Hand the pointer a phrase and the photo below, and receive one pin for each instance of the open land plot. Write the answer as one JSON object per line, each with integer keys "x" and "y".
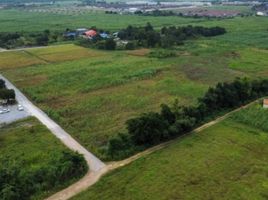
{"x": 225, "y": 161}
{"x": 92, "y": 97}
{"x": 27, "y": 147}
{"x": 44, "y": 55}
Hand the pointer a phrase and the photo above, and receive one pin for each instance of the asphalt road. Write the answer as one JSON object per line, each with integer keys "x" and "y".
{"x": 94, "y": 163}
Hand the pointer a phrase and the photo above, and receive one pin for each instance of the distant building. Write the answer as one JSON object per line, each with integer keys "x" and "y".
{"x": 104, "y": 35}
{"x": 70, "y": 34}
{"x": 90, "y": 33}
{"x": 260, "y": 13}
{"x": 81, "y": 31}
{"x": 265, "y": 103}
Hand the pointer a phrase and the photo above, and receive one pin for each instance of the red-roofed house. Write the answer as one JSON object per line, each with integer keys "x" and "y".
{"x": 91, "y": 33}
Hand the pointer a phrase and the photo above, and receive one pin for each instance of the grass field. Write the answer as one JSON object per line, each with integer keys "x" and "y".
{"x": 20, "y": 20}
{"x": 92, "y": 93}
{"x": 31, "y": 146}
{"x": 225, "y": 161}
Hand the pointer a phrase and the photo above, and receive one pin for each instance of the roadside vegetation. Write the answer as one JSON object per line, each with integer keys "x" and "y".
{"x": 228, "y": 160}
{"x": 153, "y": 128}
{"x": 33, "y": 163}
{"x": 7, "y": 95}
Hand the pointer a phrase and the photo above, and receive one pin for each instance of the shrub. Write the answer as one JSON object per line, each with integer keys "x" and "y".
{"x": 130, "y": 46}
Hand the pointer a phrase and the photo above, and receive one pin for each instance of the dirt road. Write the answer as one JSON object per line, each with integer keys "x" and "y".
{"x": 88, "y": 180}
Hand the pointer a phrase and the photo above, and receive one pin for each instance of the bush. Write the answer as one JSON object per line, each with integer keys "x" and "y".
{"x": 2, "y": 84}
{"x": 110, "y": 44}
{"x": 21, "y": 184}
{"x": 130, "y": 46}
{"x": 7, "y": 94}
{"x": 148, "y": 129}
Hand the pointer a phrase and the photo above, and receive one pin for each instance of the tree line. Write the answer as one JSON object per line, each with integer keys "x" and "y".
{"x": 17, "y": 183}
{"x": 6, "y": 94}
{"x": 10, "y": 40}
{"x": 147, "y": 36}
{"x": 152, "y": 128}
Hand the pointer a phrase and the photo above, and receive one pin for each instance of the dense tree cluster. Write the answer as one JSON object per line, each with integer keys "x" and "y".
{"x": 98, "y": 43}
{"x": 16, "y": 183}
{"x": 2, "y": 84}
{"x": 18, "y": 39}
{"x": 6, "y": 94}
{"x": 169, "y": 36}
{"x": 152, "y": 128}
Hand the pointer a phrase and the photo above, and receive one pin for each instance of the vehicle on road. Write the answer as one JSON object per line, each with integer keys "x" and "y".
{"x": 4, "y": 110}
{"x": 20, "y": 108}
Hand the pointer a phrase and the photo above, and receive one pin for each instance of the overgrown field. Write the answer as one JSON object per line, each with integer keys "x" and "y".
{"x": 92, "y": 93}
{"x": 225, "y": 161}
{"x": 33, "y": 163}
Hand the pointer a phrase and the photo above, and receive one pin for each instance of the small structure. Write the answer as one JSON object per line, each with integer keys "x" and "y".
{"x": 91, "y": 33}
{"x": 265, "y": 103}
{"x": 81, "y": 31}
{"x": 104, "y": 35}
{"x": 115, "y": 34}
{"x": 259, "y": 13}
{"x": 69, "y": 34}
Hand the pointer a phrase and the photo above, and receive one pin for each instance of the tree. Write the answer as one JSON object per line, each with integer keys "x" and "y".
{"x": 148, "y": 129}
{"x": 7, "y": 94}
{"x": 42, "y": 40}
{"x": 148, "y": 27}
{"x": 110, "y": 44}
{"x": 2, "y": 84}
{"x": 119, "y": 145}
{"x": 130, "y": 46}
{"x": 167, "y": 114}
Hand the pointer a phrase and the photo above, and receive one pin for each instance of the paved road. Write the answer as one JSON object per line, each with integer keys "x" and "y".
{"x": 13, "y": 115}
{"x": 94, "y": 163}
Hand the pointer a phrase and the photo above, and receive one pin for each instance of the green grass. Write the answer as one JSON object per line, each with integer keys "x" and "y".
{"x": 255, "y": 116}
{"x": 27, "y": 21}
{"x": 92, "y": 93}
{"x": 251, "y": 60}
{"x": 225, "y": 161}
{"x": 93, "y": 97}
{"x": 31, "y": 146}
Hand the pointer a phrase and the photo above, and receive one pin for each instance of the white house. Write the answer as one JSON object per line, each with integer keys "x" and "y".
{"x": 260, "y": 13}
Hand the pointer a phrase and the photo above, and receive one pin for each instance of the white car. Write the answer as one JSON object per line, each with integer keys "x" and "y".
{"x": 20, "y": 108}
{"x": 5, "y": 110}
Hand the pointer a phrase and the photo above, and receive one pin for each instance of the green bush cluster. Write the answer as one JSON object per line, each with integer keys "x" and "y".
{"x": 17, "y": 183}
{"x": 19, "y": 39}
{"x": 6, "y": 94}
{"x": 98, "y": 43}
{"x": 153, "y": 128}
{"x": 169, "y": 36}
